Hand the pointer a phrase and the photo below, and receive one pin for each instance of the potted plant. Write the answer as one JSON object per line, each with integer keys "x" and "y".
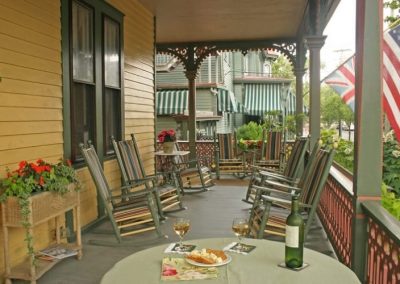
{"x": 35, "y": 191}
{"x": 167, "y": 138}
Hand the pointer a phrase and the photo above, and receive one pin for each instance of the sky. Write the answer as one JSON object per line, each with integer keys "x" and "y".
{"x": 340, "y": 41}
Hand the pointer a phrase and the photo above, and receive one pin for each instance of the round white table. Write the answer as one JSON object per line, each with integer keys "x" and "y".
{"x": 259, "y": 266}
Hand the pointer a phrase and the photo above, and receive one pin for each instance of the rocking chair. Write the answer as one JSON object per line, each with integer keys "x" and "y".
{"x": 228, "y": 161}
{"x": 133, "y": 173}
{"x": 264, "y": 221}
{"x": 130, "y": 213}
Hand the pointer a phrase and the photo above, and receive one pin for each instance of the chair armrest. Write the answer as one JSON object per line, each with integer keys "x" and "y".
{"x": 139, "y": 181}
{"x": 277, "y": 176}
{"x": 133, "y": 194}
{"x": 265, "y": 190}
{"x": 268, "y": 198}
{"x": 283, "y": 186}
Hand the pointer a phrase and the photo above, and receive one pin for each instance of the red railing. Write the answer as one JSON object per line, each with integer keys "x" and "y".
{"x": 335, "y": 212}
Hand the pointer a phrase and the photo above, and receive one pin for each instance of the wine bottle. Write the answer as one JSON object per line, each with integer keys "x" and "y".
{"x": 294, "y": 236}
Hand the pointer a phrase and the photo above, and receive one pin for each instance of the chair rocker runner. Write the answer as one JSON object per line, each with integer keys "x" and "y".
{"x": 264, "y": 221}
{"x": 167, "y": 195}
{"x": 289, "y": 174}
{"x": 194, "y": 179}
{"x": 227, "y": 157}
{"x": 130, "y": 213}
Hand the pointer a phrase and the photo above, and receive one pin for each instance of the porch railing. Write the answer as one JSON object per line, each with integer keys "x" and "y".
{"x": 383, "y": 234}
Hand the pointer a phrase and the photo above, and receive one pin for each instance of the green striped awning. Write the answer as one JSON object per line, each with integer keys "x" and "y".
{"x": 241, "y": 108}
{"x": 172, "y": 101}
{"x": 262, "y": 98}
{"x": 226, "y": 101}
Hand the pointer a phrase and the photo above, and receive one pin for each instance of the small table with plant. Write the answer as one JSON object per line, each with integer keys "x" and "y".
{"x": 33, "y": 194}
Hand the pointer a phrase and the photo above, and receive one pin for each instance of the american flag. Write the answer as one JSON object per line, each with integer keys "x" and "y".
{"x": 391, "y": 78}
{"x": 342, "y": 79}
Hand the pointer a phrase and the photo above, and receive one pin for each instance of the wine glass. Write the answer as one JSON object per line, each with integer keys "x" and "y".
{"x": 240, "y": 227}
{"x": 181, "y": 227}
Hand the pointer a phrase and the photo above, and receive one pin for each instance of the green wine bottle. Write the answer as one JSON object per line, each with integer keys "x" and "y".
{"x": 294, "y": 236}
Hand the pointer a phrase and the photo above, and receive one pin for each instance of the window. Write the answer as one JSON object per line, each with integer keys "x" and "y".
{"x": 93, "y": 38}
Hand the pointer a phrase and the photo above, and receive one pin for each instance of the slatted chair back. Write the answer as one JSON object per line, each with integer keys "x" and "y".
{"x": 131, "y": 160}
{"x": 293, "y": 163}
{"x": 307, "y": 173}
{"x": 96, "y": 170}
{"x": 272, "y": 145}
{"x": 227, "y": 145}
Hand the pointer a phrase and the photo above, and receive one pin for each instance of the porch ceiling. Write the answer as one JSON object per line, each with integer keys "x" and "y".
{"x": 225, "y": 20}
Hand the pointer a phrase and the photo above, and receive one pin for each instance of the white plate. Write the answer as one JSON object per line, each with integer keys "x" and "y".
{"x": 226, "y": 261}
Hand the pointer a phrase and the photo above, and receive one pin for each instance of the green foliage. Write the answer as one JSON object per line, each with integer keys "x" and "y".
{"x": 250, "y": 131}
{"x": 390, "y": 201}
{"x": 333, "y": 109}
{"x": 394, "y": 5}
{"x": 282, "y": 68}
{"x": 344, "y": 149}
{"x": 391, "y": 163}
{"x": 272, "y": 120}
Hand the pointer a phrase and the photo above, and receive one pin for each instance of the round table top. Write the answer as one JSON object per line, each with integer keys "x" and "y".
{"x": 259, "y": 266}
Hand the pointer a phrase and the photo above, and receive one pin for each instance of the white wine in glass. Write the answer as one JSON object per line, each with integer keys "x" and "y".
{"x": 240, "y": 227}
{"x": 181, "y": 227}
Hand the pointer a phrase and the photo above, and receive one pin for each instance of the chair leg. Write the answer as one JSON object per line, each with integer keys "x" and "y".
{"x": 154, "y": 214}
{"x": 263, "y": 224}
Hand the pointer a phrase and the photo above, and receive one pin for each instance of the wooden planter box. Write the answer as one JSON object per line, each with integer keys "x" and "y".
{"x": 44, "y": 206}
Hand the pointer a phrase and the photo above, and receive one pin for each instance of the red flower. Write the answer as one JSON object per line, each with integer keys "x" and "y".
{"x": 39, "y": 161}
{"x": 22, "y": 164}
{"x": 47, "y": 168}
{"x": 69, "y": 163}
{"x": 167, "y": 136}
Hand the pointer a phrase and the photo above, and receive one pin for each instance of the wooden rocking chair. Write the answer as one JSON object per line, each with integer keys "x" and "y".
{"x": 130, "y": 213}
{"x": 167, "y": 195}
{"x": 228, "y": 161}
{"x": 191, "y": 175}
{"x": 272, "y": 152}
{"x": 289, "y": 174}
{"x": 263, "y": 221}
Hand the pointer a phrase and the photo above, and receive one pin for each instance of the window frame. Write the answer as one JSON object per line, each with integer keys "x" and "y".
{"x": 100, "y": 10}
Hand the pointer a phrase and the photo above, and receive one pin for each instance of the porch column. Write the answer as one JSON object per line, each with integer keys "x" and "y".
{"x": 368, "y": 123}
{"x": 191, "y": 76}
{"x": 299, "y": 72}
{"x": 314, "y": 44}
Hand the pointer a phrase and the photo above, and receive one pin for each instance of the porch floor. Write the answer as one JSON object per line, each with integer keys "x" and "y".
{"x": 210, "y": 213}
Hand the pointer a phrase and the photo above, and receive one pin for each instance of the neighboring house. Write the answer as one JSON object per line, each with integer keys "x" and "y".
{"x": 232, "y": 89}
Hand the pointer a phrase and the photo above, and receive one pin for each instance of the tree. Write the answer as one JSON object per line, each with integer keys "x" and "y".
{"x": 282, "y": 68}
{"x": 394, "y": 5}
{"x": 331, "y": 105}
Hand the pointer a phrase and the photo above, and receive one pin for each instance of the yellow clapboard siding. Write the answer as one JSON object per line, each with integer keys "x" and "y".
{"x": 31, "y": 140}
{"x": 135, "y": 115}
{"x": 30, "y": 88}
{"x": 25, "y": 19}
{"x": 21, "y": 100}
{"x": 50, "y": 14}
{"x": 24, "y": 47}
{"x": 23, "y": 60}
{"x": 139, "y": 108}
{"x": 138, "y": 100}
{"x": 29, "y": 127}
{"x": 29, "y": 75}
{"x": 48, "y": 5}
{"x": 140, "y": 72}
{"x": 139, "y": 86}
{"x": 138, "y": 78}
{"x": 132, "y": 64}
{"x": 32, "y": 153}
{"x": 140, "y": 122}
{"x": 28, "y": 114}
{"x": 137, "y": 129}
{"x": 25, "y": 33}
{"x": 139, "y": 93}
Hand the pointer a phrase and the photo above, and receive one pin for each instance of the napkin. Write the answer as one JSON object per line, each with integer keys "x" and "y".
{"x": 246, "y": 249}
{"x": 172, "y": 248}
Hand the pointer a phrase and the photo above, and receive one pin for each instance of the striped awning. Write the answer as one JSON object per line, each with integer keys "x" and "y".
{"x": 226, "y": 101}
{"x": 172, "y": 102}
{"x": 262, "y": 98}
{"x": 241, "y": 108}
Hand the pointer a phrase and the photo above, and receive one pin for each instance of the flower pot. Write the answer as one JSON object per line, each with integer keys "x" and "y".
{"x": 168, "y": 147}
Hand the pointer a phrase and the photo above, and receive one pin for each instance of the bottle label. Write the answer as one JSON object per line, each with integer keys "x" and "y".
{"x": 292, "y": 236}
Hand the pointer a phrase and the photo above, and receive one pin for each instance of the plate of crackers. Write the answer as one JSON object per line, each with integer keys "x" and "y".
{"x": 208, "y": 258}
